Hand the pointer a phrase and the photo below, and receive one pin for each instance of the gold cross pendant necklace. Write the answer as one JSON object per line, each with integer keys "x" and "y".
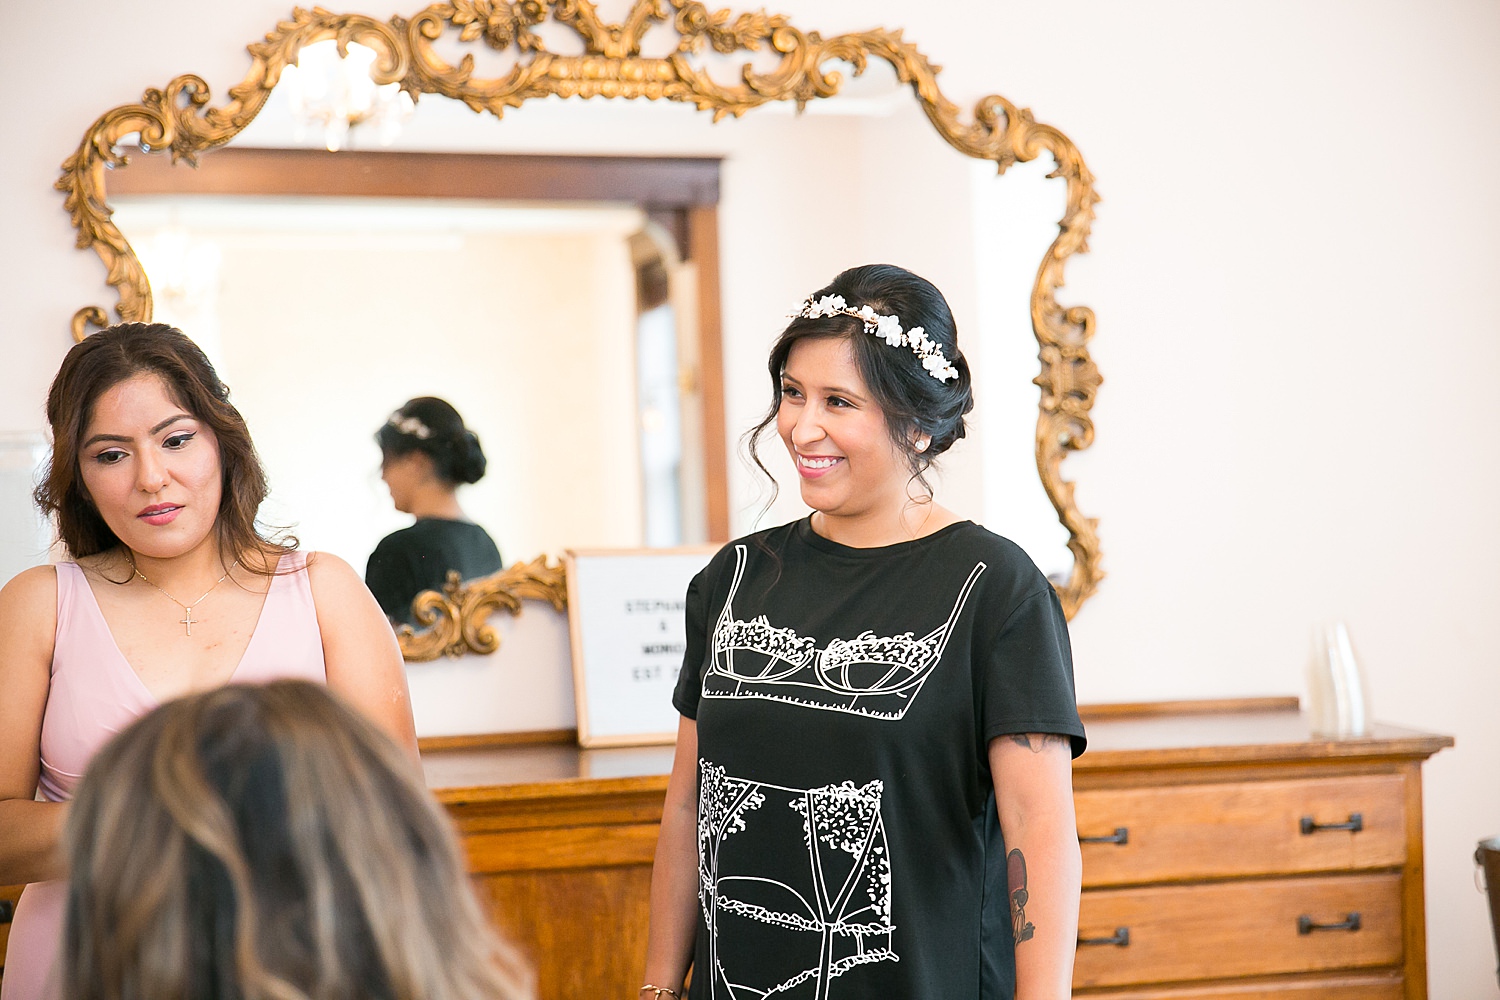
{"x": 188, "y": 620}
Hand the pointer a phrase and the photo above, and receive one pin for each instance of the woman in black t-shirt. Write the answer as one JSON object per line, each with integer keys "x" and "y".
{"x": 872, "y": 789}
{"x": 426, "y": 452}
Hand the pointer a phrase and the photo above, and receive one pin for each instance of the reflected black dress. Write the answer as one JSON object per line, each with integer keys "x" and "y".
{"x": 418, "y": 558}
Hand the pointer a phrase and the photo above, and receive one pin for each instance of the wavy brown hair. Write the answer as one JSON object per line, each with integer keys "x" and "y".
{"x": 102, "y": 361}
{"x": 267, "y": 842}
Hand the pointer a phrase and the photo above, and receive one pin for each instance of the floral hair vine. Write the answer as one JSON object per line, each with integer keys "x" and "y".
{"x": 410, "y": 426}
{"x": 887, "y": 328}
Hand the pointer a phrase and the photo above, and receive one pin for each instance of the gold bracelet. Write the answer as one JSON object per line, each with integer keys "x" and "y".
{"x": 657, "y": 991}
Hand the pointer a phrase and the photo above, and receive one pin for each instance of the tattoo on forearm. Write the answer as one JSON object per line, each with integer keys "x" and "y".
{"x": 1015, "y": 865}
{"x": 1037, "y": 742}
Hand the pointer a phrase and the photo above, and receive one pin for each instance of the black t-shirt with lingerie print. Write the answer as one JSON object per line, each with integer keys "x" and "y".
{"x": 845, "y": 699}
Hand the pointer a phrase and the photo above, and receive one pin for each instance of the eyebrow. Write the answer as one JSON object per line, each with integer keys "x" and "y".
{"x": 123, "y": 438}
{"x": 831, "y": 390}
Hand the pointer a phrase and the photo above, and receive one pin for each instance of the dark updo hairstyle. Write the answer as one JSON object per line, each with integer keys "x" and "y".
{"x": 116, "y": 354}
{"x": 433, "y": 427}
{"x": 910, "y": 397}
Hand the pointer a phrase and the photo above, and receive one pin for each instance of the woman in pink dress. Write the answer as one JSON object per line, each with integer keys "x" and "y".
{"x": 154, "y": 486}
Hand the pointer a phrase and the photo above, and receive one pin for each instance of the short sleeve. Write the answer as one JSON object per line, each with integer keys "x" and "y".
{"x": 1027, "y": 680}
{"x": 690, "y": 677}
{"x": 389, "y": 579}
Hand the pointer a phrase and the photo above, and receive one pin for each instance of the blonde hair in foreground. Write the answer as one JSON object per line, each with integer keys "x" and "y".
{"x": 267, "y": 843}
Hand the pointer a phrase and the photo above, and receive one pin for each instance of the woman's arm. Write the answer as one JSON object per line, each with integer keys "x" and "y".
{"x": 360, "y": 651}
{"x": 1033, "y": 775}
{"x": 30, "y": 831}
{"x": 674, "y": 876}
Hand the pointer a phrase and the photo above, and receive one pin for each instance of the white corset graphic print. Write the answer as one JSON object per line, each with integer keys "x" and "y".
{"x": 870, "y": 675}
{"x": 795, "y": 885}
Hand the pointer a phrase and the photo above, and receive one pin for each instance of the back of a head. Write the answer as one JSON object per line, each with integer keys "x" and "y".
{"x": 266, "y": 841}
{"x": 432, "y": 426}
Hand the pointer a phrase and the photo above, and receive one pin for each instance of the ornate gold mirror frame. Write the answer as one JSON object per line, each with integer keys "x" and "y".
{"x": 178, "y": 119}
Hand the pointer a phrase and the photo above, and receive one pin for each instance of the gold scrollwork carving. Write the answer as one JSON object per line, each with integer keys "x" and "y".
{"x": 179, "y": 119}
{"x": 455, "y": 620}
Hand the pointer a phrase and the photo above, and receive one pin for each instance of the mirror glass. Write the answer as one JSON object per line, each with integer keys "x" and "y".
{"x": 378, "y": 301}
{"x": 328, "y": 313}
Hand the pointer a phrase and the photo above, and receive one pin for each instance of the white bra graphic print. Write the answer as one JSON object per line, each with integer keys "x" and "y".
{"x": 877, "y": 676}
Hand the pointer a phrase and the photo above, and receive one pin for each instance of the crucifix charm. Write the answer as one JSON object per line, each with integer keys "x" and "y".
{"x": 188, "y": 619}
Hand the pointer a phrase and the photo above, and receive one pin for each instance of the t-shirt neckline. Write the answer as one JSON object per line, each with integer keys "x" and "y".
{"x": 805, "y": 533}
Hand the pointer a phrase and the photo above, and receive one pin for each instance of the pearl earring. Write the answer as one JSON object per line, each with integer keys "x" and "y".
{"x": 923, "y": 442}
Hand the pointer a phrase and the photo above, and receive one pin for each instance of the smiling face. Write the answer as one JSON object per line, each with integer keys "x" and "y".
{"x": 836, "y": 433}
{"x": 151, "y": 469}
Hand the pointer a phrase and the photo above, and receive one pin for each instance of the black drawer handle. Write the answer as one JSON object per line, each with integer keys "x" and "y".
{"x": 1305, "y": 924}
{"x": 1121, "y": 939}
{"x": 7, "y": 910}
{"x": 1356, "y": 823}
{"x": 1120, "y": 836}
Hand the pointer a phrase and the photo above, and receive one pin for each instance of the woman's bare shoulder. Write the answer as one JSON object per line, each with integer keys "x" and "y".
{"x": 30, "y": 585}
{"x": 328, "y": 569}
{"x": 335, "y": 584}
{"x": 28, "y": 608}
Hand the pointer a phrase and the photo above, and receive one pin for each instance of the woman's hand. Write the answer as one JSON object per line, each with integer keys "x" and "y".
{"x": 30, "y": 831}
{"x": 360, "y": 651}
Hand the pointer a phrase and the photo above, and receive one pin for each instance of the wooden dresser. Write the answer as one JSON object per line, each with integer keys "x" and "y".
{"x": 8, "y": 896}
{"x": 1226, "y": 855}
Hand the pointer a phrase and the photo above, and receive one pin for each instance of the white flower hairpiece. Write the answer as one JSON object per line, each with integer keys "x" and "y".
{"x": 887, "y": 328}
{"x": 410, "y": 426}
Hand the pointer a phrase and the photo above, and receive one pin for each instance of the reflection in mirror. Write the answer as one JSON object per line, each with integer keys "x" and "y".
{"x": 859, "y": 177}
{"x": 533, "y": 316}
{"x": 522, "y": 316}
{"x": 27, "y": 536}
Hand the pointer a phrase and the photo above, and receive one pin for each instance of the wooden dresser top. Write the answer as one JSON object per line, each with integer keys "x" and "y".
{"x": 1156, "y": 734}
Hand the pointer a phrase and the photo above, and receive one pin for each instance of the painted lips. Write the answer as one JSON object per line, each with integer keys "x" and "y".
{"x": 159, "y": 514}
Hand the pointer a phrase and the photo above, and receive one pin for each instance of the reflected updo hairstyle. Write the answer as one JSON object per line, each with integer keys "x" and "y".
{"x": 266, "y": 841}
{"x": 910, "y": 397}
{"x": 433, "y": 427}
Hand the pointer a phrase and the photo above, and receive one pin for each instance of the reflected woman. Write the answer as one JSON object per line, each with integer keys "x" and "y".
{"x": 426, "y": 453}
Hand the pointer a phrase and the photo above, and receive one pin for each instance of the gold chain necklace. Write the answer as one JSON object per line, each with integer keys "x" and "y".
{"x": 187, "y": 620}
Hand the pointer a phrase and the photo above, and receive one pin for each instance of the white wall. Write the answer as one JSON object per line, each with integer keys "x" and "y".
{"x": 1293, "y": 270}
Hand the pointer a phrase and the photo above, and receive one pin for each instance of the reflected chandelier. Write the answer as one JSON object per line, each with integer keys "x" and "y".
{"x": 334, "y": 93}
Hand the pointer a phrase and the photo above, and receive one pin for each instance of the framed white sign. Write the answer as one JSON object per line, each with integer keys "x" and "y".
{"x": 626, "y": 617}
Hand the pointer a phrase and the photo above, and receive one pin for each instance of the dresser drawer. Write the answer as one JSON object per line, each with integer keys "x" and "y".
{"x": 1338, "y": 986}
{"x": 1245, "y": 828}
{"x": 1230, "y": 929}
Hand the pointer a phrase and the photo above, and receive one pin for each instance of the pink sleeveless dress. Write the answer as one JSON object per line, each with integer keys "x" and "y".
{"x": 94, "y": 694}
